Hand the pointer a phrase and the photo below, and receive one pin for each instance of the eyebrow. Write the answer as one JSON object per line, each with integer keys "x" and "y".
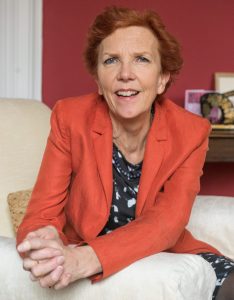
{"x": 139, "y": 53}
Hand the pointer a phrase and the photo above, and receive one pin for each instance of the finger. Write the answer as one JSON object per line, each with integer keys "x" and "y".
{"x": 52, "y": 232}
{"x": 31, "y": 235}
{"x": 64, "y": 281}
{"x": 52, "y": 278}
{"x": 36, "y": 244}
{"x": 48, "y": 232}
{"x": 45, "y": 253}
{"x": 44, "y": 268}
{"x": 24, "y": 246}
{"x": 33, "y": 278}
{"x": 29, "y": 263}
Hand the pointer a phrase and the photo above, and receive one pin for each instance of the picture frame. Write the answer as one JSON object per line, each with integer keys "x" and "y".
{"x": 224, "y": 82}
{"x": 192, "y": 100}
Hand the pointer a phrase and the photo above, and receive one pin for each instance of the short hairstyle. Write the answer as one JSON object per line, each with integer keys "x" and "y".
{"x": 113, "y": 18}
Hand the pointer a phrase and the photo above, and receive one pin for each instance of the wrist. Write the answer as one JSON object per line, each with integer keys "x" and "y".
{"x": 98, "y": 266}
{"x": 95, "y": 266}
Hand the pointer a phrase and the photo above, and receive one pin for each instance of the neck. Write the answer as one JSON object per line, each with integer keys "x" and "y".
{"x": 130, "y": 135}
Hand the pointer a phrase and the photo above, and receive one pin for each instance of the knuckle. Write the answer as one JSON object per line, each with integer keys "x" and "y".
{"x": 26, "y": 268}
{"x": 66, "y": 283}
{"x": 42, "y": 283}
{"x": 60, "y": 285}
{"x": 33, "y": 255}
{"x": 57, "y": 286}
{"x": 33, "y": 278}
{"x": 35, "y": 271}
{"x": 67, "y": 279}
{"x": 46, "y": 282}
{"x": 27, "y": 264}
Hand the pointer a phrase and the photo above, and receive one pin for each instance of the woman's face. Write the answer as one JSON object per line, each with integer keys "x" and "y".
{"x": 129, "y": 71}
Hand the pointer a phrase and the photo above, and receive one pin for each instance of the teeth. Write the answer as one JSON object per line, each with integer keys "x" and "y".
{"x": 126, "y": 93}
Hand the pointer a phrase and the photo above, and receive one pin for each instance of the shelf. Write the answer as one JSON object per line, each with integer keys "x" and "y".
{"x": 221, "y": 146}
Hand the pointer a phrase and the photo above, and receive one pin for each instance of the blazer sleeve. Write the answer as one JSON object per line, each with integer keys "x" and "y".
{"x": 158, "y": 228}
{"x": 46, "y": 206}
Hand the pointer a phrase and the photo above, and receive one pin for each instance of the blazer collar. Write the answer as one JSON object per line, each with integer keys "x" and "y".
{"x": 103, "y": 147}
{"x": 154, "y": 151}
{"x": 102, "y": 121}
{"x": 159, "y": 126}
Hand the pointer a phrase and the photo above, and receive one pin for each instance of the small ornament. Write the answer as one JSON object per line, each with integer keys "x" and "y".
{"x": 218, "y": 108}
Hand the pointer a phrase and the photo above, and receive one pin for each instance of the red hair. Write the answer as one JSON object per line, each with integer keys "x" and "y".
{"x": 113, "y": 18}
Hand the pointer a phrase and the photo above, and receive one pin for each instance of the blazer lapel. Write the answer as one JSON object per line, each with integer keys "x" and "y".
{"x": 102, "y": 141}
{"x": 153, "y": 157}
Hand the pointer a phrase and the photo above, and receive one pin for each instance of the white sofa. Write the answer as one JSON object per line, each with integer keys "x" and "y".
{"x": 164, "y": 276}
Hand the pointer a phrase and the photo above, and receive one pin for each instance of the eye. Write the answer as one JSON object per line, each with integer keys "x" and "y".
{"x": 110, "y": 60}
{"x": 142, "y": 59}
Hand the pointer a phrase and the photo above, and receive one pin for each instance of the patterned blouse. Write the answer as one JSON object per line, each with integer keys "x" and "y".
{"x": 126, "y": 177}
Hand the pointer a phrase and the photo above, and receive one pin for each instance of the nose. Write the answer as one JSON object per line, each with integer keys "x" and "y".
{"x": 126, "y": 72}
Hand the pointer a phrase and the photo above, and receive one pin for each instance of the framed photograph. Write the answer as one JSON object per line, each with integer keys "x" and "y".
{"x": 192, "y": 100}
{"x": 224, "y": 82}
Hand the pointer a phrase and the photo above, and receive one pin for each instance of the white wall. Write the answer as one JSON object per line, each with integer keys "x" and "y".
{"x": 20, "y": 48}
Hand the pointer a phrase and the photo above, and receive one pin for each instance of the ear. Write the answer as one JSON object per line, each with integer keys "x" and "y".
{"x": 163, "y": 80}
{"x": 99, "y": 87}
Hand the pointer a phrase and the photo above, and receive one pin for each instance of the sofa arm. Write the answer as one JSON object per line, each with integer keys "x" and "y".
{"x": 161, "y": 276}
{"x": 212, "y": 221}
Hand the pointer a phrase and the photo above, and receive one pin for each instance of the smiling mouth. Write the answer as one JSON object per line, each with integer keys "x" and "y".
{"x": 127, "y": 93}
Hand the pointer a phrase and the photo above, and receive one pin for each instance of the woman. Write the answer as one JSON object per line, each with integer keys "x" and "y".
{"x": 121, "y": 169}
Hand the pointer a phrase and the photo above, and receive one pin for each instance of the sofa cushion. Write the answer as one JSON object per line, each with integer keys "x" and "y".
{"x": 163, "y": 276}
{"x": 212, "y": 221}
{"x": 18, "y": 202}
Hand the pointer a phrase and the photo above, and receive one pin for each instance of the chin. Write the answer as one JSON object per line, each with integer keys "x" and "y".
{"x": 128, "y": 115}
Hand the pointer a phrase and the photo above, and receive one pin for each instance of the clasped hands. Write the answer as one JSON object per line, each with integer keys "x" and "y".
{"x": 53, "y": 264}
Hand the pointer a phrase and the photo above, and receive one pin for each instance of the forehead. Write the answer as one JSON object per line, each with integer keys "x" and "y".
{"x": 135, "y": 37}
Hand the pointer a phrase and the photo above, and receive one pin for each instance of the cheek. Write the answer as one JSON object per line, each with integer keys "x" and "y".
{"x": 149, "y": 78}
{"x": 152, "y": 85}
{"x": 100, "y": 85}
{"x": 105, "y": 84}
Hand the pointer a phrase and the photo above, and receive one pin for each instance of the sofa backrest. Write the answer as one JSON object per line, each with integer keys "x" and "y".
{"x": 24, "y": 127}
{"x": 212, "y": 221}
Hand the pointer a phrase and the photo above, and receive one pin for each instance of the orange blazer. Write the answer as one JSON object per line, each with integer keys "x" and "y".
{"x": 73, "y": 191}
